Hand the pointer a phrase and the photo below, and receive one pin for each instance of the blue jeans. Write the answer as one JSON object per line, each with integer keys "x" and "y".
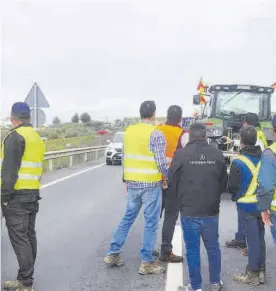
{"x": 207, "y": 228}
{"x": 240, "y": 235}
{"x": 273, "y": 227}
{"x": 151, "y": 199}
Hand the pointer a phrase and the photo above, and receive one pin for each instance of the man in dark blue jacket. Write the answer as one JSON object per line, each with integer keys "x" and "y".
{"x": 242, "y": 185}
{"x": 266, "y": 192}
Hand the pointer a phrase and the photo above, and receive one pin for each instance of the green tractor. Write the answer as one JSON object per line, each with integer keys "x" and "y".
{"x": 225, "y": 109}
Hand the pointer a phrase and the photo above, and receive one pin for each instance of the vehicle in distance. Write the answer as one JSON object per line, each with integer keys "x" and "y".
{"x": 113, "y": 152}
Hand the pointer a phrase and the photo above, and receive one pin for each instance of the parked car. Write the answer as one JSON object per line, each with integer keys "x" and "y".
{"x": 113, "y": 152}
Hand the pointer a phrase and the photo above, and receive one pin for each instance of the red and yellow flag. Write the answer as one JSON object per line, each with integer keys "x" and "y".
{"x": 202, "y": 88}
{"x": 274, "y": 85}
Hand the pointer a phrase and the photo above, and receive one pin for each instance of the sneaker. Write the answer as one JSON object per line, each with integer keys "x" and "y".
{"x": 216, "y": 286}
{"x": 170, "y": 258}
{"x": 262, "y": 276}
{"x": 12, "y": 285}
{"x": 22, "y": 288}
{"x": 114, "y": 260}
{"x": 249, "y": 278}
{"x": 235, "y": 244}
{"x": 187, "y": 288}
{"x": 151, "y": 268}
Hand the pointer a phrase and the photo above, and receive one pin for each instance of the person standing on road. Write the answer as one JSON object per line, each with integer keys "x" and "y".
{"x": 22, "y": 157}
{"x": 144, "y": 163}
{"x": 266, "y": 192}
{"x": 174, "y": 138}
{"x": 200, "y": 173}
{"x": 240, "y": 240}
{"x": 242, "y": 184}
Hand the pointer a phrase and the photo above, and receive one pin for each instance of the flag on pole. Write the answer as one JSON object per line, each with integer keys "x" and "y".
{"x": 274, "y": 85}
{"x": 202, "y": 88}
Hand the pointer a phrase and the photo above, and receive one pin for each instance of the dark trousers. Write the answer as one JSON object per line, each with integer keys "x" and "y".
{"x": 255, "y": 236}
{"x": 240, "y": 235}
{"x": 20, "y": 220}
{"x": 171, "y": 207}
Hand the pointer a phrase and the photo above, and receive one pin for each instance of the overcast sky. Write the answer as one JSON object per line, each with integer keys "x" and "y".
{"x": 105, "y": 57}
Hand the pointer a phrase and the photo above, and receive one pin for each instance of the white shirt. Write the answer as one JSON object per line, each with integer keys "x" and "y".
{"x": 261, "y": 144}
{"x": 184, "y": 139}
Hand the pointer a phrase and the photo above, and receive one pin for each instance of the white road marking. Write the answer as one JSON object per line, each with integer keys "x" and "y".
{"x": 175, "y": 270}
{"x": 70, "y": 176}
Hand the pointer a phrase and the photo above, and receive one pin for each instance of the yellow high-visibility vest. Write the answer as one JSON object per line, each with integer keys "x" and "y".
{"x": 250, "y": 194}
{"x": 31, "y": 167}
{"x": 273, "y": 204}
{"x": 261, "y": 136}
{"x": 139, "y": 163}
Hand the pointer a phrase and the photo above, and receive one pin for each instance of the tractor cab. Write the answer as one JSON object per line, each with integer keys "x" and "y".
{"x": 226, "y": 106}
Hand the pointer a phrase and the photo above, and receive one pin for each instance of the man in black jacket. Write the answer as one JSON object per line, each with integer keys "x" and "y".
{"x": 22, "y": 156}
{"x": 200, "y": 173}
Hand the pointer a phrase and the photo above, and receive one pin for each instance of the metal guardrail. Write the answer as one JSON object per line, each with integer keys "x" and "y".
{"x": 50, "y": 156}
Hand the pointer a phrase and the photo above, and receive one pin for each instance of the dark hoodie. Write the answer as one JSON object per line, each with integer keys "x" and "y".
{"x": 240, "y": 177}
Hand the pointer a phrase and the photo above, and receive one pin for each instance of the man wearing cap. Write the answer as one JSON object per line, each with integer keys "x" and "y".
{"x": 174, "y": 135}
{"x": 266, "y": 192}
{"x": 22, "y": 156}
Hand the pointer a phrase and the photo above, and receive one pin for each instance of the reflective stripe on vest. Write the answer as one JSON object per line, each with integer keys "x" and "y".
{"x": 140, "y": 171}
{"x": 27, "y": 164}
{"x": 28, "y": 177}
{"x": 250, "y": 194}
{"x": 139, "y": 162}
{"x": 31, "y": 168}
{"x": 273, "y": 203}
{"x": 139, "y": 157}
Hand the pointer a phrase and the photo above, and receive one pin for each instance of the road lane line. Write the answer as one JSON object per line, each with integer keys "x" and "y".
{"x": 175, "y": 270}
{"x": 70, "y": 176}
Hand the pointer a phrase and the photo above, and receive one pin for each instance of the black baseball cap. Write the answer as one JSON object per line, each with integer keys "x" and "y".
{"x": 252, "y": 119}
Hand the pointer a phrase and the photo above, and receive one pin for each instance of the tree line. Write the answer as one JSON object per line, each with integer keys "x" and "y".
{"x": 84, "y": 118}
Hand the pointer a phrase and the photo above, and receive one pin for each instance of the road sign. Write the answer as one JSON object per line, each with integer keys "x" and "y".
{"x": 36, "y": 98}
{"x": 39, "y": 118}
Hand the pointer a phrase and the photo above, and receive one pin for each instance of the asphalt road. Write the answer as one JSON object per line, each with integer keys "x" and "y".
{"x": 74, "y": 226}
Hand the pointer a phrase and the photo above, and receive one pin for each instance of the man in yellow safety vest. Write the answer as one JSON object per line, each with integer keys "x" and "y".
{"x": 242, "y": 184}
{"x": 144, "y": 163}
{"x": 240, "y": 241}
{"x": 22, "y": 155}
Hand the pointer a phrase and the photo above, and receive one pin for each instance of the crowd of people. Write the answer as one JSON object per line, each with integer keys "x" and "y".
{"x": 192, "y": 175}
{"x": 165, "y": 170}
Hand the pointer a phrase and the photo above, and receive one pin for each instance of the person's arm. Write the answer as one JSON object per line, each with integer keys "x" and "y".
{"x": 184, "y": 139}
{"x": 224, "y": 175}
{"x": 234, "y": 181}
{"x": 266, "y": 180}
{"x": 158, "y": 147}
{"x": 175, "y": 166}
{"x": 14, "y": 148}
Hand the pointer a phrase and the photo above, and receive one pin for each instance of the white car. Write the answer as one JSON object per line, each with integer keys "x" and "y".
{"x": 113, "y": 152}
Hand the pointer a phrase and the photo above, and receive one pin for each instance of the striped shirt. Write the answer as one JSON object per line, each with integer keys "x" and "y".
{"x": 157, "y": 145}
